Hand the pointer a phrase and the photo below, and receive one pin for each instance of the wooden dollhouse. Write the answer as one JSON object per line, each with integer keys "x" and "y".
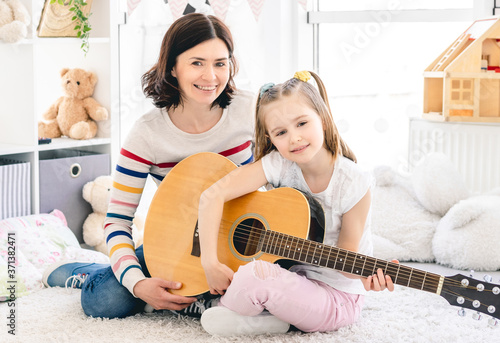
{"x": 463, "y": 83}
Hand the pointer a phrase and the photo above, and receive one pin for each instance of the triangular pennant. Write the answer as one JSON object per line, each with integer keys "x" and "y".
{"x": 303, "y": 4}
{"x": 256, "y": 6}
{"x": 220, "y": 7}
{"x": 189, "y": 9}
{"x": 131, "y": 6}
{"x": 198, "y": 6}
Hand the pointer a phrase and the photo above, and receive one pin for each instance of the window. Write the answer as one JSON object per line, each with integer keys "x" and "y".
{"x": 371, "y": 56}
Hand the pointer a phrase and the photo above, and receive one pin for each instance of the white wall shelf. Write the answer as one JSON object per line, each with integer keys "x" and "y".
{"x": 30, "y": 83}
{"x": 67, "y": 40}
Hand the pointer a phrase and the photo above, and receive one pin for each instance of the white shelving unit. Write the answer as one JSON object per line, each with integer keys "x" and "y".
{"x": 30, "y": 83}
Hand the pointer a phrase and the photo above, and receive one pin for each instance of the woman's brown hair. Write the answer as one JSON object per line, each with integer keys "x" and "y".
{"x": 185, "y": 33}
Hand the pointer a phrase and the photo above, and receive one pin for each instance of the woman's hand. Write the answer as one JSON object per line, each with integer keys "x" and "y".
{"x": 154, "y": 291}
{"x": 219, "y": 277}
{"x": 379, "y": 281}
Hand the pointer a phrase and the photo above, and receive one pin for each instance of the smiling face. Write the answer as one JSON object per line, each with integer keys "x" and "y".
{"x": 295, "y": 129}
{"x": 202, "y": 72}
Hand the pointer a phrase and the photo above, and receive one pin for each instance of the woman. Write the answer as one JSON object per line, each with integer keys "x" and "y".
{"x": 197, "y": 109}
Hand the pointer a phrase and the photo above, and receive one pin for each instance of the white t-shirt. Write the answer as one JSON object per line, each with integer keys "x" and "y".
{"x": 348, "y": 185}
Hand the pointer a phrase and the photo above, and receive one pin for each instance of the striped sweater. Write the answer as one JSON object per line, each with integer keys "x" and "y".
{"x": 153, "y": 146}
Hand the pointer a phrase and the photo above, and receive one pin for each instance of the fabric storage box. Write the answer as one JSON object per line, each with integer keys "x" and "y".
{"x": 63, "y": 173}
{"x": 15, "y": 188}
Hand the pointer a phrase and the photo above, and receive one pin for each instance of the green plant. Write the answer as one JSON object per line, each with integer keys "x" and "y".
{"x": 82, "y": 25}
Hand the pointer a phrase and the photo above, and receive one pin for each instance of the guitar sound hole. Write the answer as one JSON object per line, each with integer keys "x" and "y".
{"x": 247, "y": 235}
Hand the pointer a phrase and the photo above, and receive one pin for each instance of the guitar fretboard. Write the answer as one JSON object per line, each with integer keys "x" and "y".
{"x": 318, "y": 254}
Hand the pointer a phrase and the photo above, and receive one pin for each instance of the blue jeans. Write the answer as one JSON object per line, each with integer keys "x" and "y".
{"x": 103, "y": 296}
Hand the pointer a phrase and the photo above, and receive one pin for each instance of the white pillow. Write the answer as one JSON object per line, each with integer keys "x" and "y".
{"x": 38, "y": 240}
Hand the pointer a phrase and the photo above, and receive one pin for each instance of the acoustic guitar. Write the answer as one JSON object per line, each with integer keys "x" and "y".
{"x": 279, "y": 225}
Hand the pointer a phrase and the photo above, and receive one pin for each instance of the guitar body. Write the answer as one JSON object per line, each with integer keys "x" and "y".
{"x": 171, "y": 243}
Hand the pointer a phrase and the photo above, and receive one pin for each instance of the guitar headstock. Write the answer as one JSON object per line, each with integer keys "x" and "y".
{"x": 470, "y": 293}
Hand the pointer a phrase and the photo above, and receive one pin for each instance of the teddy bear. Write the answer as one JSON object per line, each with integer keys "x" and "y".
{"x": 75, "y": 114}
{"x": 14, "y": 21}
{"x": 97, "y": 193}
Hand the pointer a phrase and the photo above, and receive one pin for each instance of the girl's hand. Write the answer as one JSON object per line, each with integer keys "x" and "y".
{"x": 379, "y": 281}
{"x": 219, "y": 277}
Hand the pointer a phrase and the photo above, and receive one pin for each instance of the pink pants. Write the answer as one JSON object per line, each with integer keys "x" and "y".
{"x": 309, "y": 305}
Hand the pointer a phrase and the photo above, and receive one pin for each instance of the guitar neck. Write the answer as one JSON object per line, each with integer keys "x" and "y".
{"x": 318, "y": 254}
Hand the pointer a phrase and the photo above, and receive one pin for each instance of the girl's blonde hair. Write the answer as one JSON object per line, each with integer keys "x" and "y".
{"x": 318, "y": 102}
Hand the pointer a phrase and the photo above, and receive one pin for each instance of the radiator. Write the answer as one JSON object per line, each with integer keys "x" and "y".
{"x": 15, "y": 185}
{"x": 474, "y": 148}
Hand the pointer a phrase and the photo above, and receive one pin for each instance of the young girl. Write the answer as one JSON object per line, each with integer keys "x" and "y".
{"x": 297, "y": 145}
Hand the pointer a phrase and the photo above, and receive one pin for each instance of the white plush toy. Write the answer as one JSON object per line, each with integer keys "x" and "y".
{"x": 406, "y": 209}
{"x": 402, "y": 228}
{"x": 97, "y": 193}
{"x": 468, "y": 236}
{"x": 437, "y": 183}
{"x": 430, "y": 215}
{"x": 14, "y": 21}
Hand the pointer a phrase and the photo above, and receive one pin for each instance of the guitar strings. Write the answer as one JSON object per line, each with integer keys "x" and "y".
{"x": 349, "y": 262}
{"x": 244, "y": 232}
{"x": 242, "y": 235}
{"x": 415, "y": 274}
{"x": 389, "y": 266}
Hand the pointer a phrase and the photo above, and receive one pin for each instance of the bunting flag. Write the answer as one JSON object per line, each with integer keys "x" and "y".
{"x": 220, "y": 7}
{"x": 198, "y": 6}
{"x": 256, "y": 7}
{"x": 131, "y": 5}
{"x": 303, "y": 4}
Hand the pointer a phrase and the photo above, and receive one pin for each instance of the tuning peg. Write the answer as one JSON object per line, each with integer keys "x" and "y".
{"x": 477, "y": 316}
{"x": 488, "y": 278}
{"x": 471, "y": 273}
{"x": 493, "y": 322}
{"x": 461, "y": 312}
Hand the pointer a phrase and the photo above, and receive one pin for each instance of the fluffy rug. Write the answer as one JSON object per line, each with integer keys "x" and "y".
{"x": 406, "y": 315}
